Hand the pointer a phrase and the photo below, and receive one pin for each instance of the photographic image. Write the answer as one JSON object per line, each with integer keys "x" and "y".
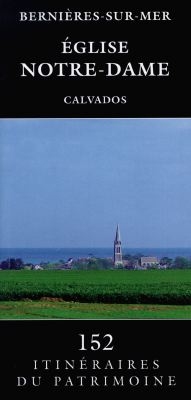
{"x": 95, "y": 218}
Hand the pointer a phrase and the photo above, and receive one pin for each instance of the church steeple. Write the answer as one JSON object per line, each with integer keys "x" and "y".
{"x": 117, "y": 248}
{"x": 118, "y": 236}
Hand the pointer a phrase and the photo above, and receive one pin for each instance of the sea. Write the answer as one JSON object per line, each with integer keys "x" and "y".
{"x": 51, "y": 255}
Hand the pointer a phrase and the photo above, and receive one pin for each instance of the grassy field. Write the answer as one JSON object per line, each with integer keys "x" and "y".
{"x": 59, "y": 309}
{"x": 78, "y": 294}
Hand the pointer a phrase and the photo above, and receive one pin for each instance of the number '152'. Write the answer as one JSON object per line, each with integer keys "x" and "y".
{"x": 96, "y": 342}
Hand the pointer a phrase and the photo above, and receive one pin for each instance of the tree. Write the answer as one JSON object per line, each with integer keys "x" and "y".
{"x": 19, "y": 263}
{"x": 5, "y": 265}
{"x": 181, "y": 262}
{"x": 93, "y": 264}
{"x": 166, "y": 261}
{"x": 12, "y": 263}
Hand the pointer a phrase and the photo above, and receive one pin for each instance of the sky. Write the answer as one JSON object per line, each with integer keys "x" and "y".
{"x": 68, "y": 182}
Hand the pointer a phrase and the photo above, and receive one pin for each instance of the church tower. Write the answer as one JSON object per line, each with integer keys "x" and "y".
{"x": 117, "y": 248}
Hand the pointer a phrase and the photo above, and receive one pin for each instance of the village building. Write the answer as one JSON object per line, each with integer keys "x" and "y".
{"x": 149, "y": 262}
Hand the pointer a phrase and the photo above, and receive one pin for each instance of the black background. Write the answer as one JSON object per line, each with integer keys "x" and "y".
{"x": 159, "y": 41}
{"x": 23, "y": 341}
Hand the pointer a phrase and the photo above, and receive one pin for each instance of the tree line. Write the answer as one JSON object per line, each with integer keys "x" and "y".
{"x": 102, "y": 263}
{"x": 12, "y": 263}
{"x": 177, "y": 262}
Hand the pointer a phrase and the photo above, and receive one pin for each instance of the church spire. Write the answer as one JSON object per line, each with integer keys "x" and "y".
{"x": 117, "y": 248}
{"x": 117, "y": 236}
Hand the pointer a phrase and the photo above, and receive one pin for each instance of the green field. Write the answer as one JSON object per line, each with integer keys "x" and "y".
{"x": 78, "y": 294}
{"x": 54, "y": 308}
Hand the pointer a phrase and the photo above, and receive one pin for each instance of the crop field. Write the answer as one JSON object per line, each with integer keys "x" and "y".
{"x": 172, "y": 287}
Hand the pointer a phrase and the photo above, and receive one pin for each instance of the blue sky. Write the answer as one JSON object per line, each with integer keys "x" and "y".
{"x": 68, "y": 182}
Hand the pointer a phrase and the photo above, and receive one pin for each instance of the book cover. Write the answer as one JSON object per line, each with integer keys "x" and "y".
{"x": 95, "y": 256}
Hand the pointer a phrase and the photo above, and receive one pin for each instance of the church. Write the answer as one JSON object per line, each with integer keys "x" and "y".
{"x": 117, "y": 248}
{"x": 143, "y": 263}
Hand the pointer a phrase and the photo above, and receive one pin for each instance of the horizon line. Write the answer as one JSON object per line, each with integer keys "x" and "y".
{"x": 98, "y": 247}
